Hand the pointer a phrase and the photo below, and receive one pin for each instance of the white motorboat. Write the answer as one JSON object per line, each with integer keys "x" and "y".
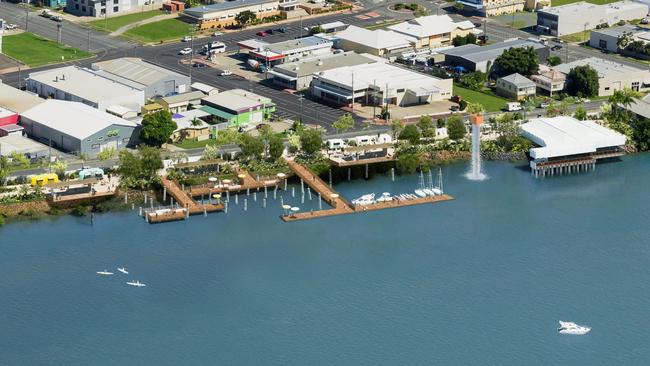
{"x": 136, "y": 284}
{"x": 366, "y": 199}
{"x": 421, "y": 192}
{"x": 105, "y": 273}
{"x": 572, "y": 328}
{"x": 123, "y": 270}
{"x": 385, "y": 197}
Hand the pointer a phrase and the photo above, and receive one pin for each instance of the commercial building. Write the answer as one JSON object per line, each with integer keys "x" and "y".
{"x": 478, "y": 58}
{"x": 238, "y": 107}
{"x": 607, "y": 38}
{"x": 221, "y": 15}
{"x": 375, "y": 42}
{"x": 567, "y": 145}
{"x": 73, "y": 83}
{"x": 490, "y": 8}
{"x": 102, "y": 8}
{"x": 78, "y": 128}
{"x": 549, "y": 81}
{"x": 612, "y": 76}
{"x": 583, "y": 16}
{"x": 298, "y": 75}
{"x": 204, "y": 88}
{"x": 156, "y": 81}
{"x": 17, "y": 143}
{"x": 17, "y": 100}
{"x": 379, "y": 84}
{"x": 181, "y": 102}
{"x": 289, "y": 51}
{"x": 433, "y": 31}
{"x": 189, "y": 125}
{"x": 515, "y": 86}
{"x": 6, "y": 130}
{"x": 8, "y": 117}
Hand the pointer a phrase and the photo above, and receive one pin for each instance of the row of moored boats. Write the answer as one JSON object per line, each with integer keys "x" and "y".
{"x": 123, "y": 271}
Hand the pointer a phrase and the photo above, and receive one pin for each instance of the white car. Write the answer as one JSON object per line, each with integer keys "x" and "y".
{"x": 217, "y": 34}
{"x": 10, "y": 26}
{"x": 226, "y": 73}
{"x": 186, "y": 39}
{"x": 185, "y": 51}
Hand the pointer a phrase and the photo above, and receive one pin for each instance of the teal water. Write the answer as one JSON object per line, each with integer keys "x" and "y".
{"x": 481, "y": 280}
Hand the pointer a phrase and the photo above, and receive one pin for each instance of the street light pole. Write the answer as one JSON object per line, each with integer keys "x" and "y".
{"x": 59, "y": 26}
{"x": 26, "y": 16}
{"x": 88, "y": 39}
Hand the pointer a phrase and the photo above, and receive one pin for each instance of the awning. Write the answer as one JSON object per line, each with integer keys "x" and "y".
{"x": 422, "y": 91}
{"x": 333, "y": 92}
{"x": 217, "y": 112}
{"x": 282, "y": 76}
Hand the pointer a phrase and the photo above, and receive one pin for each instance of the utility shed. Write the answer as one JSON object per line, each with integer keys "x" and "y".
{"x": 567, "y": 145}
{"x": 77, "y": 128}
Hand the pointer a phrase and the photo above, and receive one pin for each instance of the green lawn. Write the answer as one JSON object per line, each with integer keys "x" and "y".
{"x": 193, "y": 144}
{"x": 491, "y": 103}
{"x": 34, "y": 51}
{"x": 598, "y": 2}
{"x": 383, "y": 24}
{"x": 163, "y": 30}
{"x": 115, "y": 23}
{"x": 577, "y": 37}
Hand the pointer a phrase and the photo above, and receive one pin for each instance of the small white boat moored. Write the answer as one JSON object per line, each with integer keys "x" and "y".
{"x": 572, "y": 328}
{"x": 123, "y": 270}
{"x": 366, "y": 199}
{"x": 105, "y": 273}
{"x": 136, "y": 284}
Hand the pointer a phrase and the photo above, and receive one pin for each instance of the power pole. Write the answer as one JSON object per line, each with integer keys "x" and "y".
{"x": 88, "y": 39}
{"x": 59, "y": 27}
{"x": 26, "y": 16}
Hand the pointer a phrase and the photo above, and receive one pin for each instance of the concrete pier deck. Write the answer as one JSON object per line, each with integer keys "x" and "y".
{"x": 248, "y": 182}
{"x": 340, "y": 206}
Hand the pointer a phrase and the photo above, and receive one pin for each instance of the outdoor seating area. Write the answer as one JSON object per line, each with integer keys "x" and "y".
{"x": 366, "y": 154}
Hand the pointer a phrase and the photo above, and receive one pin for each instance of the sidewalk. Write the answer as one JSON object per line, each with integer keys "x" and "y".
{"x": 157, "y": 18}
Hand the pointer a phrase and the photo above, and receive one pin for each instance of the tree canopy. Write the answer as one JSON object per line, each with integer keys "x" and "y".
{"x": 344, "y": 123}
{"x": 139, "y": 170}
{"x": 276, "y": 147}
{"x": 425, "y": 124}
{"x": 411, "y": 134}
{"x": 245, "y": 17}
{"x": 252, "y": 147}
{"x": 582, "y": 81}
{"x": 456, "y": 127}
{"x": 311, "y": 140}
{"x": 157, "y": 128}
{"x": 517, "y": 60}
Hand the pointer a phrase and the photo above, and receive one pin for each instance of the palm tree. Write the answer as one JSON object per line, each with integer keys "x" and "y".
{"x": 623, "y": 97}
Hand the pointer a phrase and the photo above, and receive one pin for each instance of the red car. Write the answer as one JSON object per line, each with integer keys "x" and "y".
{"x": 262, "y": 34}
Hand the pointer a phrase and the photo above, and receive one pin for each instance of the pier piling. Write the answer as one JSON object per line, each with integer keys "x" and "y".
{"x": 245, "y": 204}
{"x": 330, "y": 174}
{"x": 309, "y": 193}
{"x": 293, "y": 192}
{"x": 225, "y": 207}
{"x": 366, "y": 171}
{"x": 263, "y": 202}
{"x": 248, "y": 191}
{"x": 126, "y": 197}
{"x": 320, "y": 202}
{"x": 302, "y": 185}
{"x": 285, "y": 184}
{"x": 392, "y": 174}
{"x": 349, "y": 174}
{"x": 237, "y": 199}
{"x": 255, "y": 196}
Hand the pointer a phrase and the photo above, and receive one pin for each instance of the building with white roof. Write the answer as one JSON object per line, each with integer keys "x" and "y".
{"x": 156, "y": 81}
{"x": 204, "y": 88}
{"x": 73, "y": 83}
{"x": 17, "y": 143}
{"x": 612, "y": 76}
{"x": 607, "y": 38}
{"x": 567, "y": 145}
{"x": 17, "y": 100}
{"x": 189, "y": 125}
{"x": 298, "y": 75}
{"x": 376, "y": 42}
{"x": 491, "y": 8}
{"x": 76, "y": 127}
{"x": 583, "y": 16}
{"x": 379, "y": 83}
{"x": 290, "y": 50}
{"x": 515, "y": 86}
{"x": 433, "y": 31}
{"x": 336, "y": 26}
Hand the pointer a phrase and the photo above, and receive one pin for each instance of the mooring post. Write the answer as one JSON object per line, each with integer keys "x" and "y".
{"x": 164, "y": 194}
{"x": 285, "y": 184}
{"x": 302, "y": 186}
{"x": 366, "y": 171}
{"x": 309, "y": 193}
{"x": 227, "y": 196}
{"x": 225, "y": 207}
{"x": 392, "y": 174}
{"x": 320, "y": 202}
{"x": 248, "y": 191}
{"x": 281, "y": 201}
{"x": 245, "y": 204}
{"x": 151, "y": 203}
{"x": 275, "y": 193}
{"x": 302, "y": 198}
{"x": 349, "y": 174}
{"x": 132, "y": 206}
{"x": 237, "y": 199}
{"x": 126, "y": 197}
{"x": 265, "y": 192}
{"x": 205, "y": 212}
{"x": 264, "y": 203}
{"x": 172, "y": 201}
{"x": 293, "y": 191}
{"x": 330, "y": 173}
{"x": 140, "y": 211}
{"x": 255, "y": 196}
{"x": 145, "y": 197}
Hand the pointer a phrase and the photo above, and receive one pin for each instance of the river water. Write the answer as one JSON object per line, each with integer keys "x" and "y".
{"x": 481, "y": 280}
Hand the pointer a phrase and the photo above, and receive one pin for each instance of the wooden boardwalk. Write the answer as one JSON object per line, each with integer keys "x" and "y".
{"x": 340, "y": 206}
{"x": 185, "y": 201}
{"x": 248, "y": 183}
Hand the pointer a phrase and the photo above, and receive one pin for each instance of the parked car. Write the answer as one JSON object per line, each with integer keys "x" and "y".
{"x": 226, "y": 73}
{"x": 269, "y": 31}
{"x": 186, "y": 39}
{"x": 10, "y": 26}
{"x": 199, "y": 64}
{"x": 478, "y": 25}
{"x": 556, "y": 47}
{"x": 282, "y": 29}
{"x": 185, "y": 51}
{"x": 57, "y": 18}
{"x": 217, "y": 34}
{"x": 514, "y": 106}
{"x": 46, "y": 13}
{"x": 454, "y": 108}
{"x": 544, "y": 105}
{"x": 262, "y": 34}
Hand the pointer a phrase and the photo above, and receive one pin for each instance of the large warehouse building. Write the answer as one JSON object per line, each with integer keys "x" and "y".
{"x": 478, "y": 58}
{"x": 156, "y": 81}
{"x": 612, "y": 76}
{"x": 583, "y": 16}
{"x": 77, "y": 128}
{"x": 567, "y": 145}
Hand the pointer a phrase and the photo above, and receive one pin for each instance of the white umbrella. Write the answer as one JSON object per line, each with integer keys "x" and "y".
{"x": 226, "y": 181}
{"x": 212, "y": 179}
{"x": 281, "y": 175}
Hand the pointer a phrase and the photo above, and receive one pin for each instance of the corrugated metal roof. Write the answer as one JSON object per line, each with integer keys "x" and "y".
{"x": 135, "y": 69}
